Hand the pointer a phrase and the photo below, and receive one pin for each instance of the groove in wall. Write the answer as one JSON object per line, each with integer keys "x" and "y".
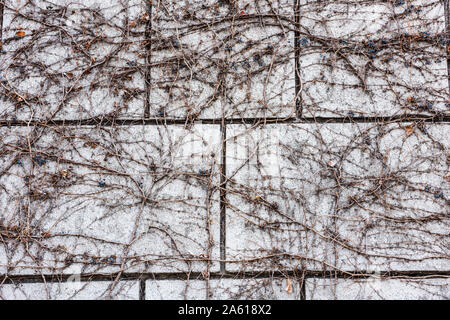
{"x": 108, "y": 122}
{"x": 447, "y": 25}
{"x": 223, "y": 129}
{"x": 303, "y": 289}
{"x": 148, "y": 49}
{"x": 1, "y": 21}
{"x": 141, "y": 289}
{"x": 142, "y": 277}
{"x": 298, "y": 98}
{"x": 1, "y": 25}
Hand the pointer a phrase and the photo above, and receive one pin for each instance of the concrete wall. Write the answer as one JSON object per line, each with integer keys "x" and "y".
{"x": 284, "y": 149}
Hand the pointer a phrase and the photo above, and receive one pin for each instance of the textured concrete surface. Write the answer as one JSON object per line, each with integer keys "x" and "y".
{"x": 325, "y": 197}
{"x": 226, "y": 289}
{"x": 378, "y": 289}
{"x": 72, "y": 67}
{"x": 224, "y": 149}
{"x": 75, "y": 201}
{"x": 100, "y": 290}
{"x": 204, "y": 72}
{"x": 382, "y": 59}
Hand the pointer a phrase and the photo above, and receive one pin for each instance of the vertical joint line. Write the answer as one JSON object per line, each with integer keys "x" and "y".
{"x": 297, "y": 101}
{"x": 301, "y": 280}
{"x": 148, "y": 49}
{"x": 303, "y": 287}
{"x": 447, "y": 36}
{"x": 1, "y": 23}
{"x": 222, "y": 186}
{"x": 142, "y": 289}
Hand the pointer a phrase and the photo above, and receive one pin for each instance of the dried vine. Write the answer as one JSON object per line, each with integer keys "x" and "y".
{"x": 331, "y": 117}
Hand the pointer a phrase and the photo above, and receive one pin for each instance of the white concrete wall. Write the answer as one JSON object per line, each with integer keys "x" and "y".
{"x": 224, "y": 150}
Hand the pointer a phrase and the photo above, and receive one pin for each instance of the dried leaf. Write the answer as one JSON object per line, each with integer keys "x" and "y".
{"x": 133, "y": 24}
{"x": 288, "y": 286}
{"x": 447, "y": 177}
{"x": 20, "y": 33}
{"x": 90, "y": 144}
{"x": 409, "y": 130}
{"x": 145, "y": 17}
{"x": 411, "y": 99}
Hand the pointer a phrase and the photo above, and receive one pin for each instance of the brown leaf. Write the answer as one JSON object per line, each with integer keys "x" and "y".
{"x": 447, "y": 177}
{"x": 133, "y": 24}
{"x": 288, "y": 285}
{"x": 20, "y": 33}
{"x": 411, "y": 99}
{"x": 409, "y": 130}
{"x": 145, "y": 17}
